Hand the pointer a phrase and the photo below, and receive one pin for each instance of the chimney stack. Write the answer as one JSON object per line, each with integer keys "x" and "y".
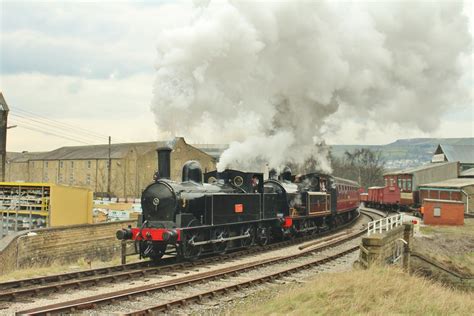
{"x": 164, "y": 162}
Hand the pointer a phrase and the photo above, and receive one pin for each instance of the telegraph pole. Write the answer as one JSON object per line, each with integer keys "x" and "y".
{"x": 109, "y": 169}
{"x": 3, "y": 134}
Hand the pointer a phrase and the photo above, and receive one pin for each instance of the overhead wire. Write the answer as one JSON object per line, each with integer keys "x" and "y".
{"x": 58, "y": 123}
{"x": 75, "y": 131}
{"x": 46, "y": 132}
{"x": 58, "y": 130}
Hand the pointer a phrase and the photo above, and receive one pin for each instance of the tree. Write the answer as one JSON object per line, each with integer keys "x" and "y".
{"x": 362, "y": 165}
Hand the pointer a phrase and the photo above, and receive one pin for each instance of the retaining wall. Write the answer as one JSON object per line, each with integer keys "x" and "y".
{"x": 60, "y": 245}
{"x": 382, "y": 248}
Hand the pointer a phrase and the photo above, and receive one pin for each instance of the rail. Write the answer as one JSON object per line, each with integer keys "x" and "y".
{"x": 384, "y": 224}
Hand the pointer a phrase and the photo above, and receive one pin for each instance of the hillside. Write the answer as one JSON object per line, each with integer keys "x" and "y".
{"x": 405, "y": 153}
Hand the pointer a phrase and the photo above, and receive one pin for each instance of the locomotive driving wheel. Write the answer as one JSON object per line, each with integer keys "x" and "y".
{"x": 190, "y": 250}
{"x": 263, "y": 235}
{"x": 249, "y": 241}
{"x": 220, "y": 247}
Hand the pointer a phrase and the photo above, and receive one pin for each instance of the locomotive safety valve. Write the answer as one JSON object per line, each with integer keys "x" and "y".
{"x": 124, "y": 234}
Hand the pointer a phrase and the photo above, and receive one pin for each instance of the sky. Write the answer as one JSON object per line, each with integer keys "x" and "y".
{"x": 75, "y": 72}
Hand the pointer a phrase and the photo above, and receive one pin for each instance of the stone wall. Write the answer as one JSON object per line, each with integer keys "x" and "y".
{"x": 60, "y": 245}
{"x": 382, "y": 248}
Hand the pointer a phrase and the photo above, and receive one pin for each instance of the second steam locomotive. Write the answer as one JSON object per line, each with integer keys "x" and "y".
{"x": 234, "y": 209}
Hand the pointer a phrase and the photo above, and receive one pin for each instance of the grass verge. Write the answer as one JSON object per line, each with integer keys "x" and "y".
{"x": 58, "y": 268}
{"x": 377, "y": 291}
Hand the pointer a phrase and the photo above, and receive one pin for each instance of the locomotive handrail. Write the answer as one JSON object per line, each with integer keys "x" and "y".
{"x": 384, "y": 224}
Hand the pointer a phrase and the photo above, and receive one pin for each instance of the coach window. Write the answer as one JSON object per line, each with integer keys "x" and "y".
{"x": 409, "y": 185}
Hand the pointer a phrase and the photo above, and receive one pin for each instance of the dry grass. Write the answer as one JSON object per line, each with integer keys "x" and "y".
{"x": 465, "y": 231}
{"x": 451, "y": 245}
{"x": 58, "y": 268}
{"x": 378, "y": 291}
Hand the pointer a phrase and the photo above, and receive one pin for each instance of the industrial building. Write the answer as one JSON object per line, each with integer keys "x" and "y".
{"x": 464, "y": 154}
{"x": 460, "y": 190}
{"x": 27, "y": 206}
{"x": 132, "y": 166}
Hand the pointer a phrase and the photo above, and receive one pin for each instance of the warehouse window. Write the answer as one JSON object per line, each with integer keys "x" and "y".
{"x": 32, "y": 164}
{"x": 61, "y": 164}
{"x": 437, "y": 211}
{"x": 60, "y": 178}
{"x": 72, "y": 164}
{"x": 45, "y": 178}
{"x": 88, "y": 179}
{"x": 89, "y": 164}
{"x": 71, "y": 178}
{"x": 46, "y": 164}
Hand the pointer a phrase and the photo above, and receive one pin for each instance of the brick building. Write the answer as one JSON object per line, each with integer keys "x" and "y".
{"x": 459, "y": 190}
{"x": 443, "y": 212}
{"x": 132, "y": 167}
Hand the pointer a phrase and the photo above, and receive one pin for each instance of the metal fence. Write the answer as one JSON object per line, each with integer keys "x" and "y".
{"x": 384, "y": 224}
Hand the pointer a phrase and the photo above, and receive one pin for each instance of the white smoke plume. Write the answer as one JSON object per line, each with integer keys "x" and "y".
{"x": 267, "y": 77}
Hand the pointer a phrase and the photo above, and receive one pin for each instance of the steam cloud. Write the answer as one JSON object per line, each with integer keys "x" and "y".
{"x": 267, "y": 77}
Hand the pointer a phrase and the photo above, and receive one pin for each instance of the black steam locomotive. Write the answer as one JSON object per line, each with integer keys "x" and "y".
{"x": 232, "y": 209}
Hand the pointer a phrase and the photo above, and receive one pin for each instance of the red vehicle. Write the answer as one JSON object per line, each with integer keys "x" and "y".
{"x": 387, "y": 197}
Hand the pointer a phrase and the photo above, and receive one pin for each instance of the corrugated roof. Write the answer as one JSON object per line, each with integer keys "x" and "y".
{"x": 461, "y": 153}
{"x": 466, "y": 173}
{"x": 419, "y": 168}
{"x": 451, "y": 183}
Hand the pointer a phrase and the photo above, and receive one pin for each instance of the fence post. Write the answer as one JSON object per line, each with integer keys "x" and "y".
{"x": 123, "y": 251}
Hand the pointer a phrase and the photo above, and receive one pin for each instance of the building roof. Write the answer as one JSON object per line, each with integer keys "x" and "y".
{"x": 417, "y": 169}
{"x": 23, "y": 156}
{"x": 91, "y": 152}
{"x": 467, "y": 173}
{"x": 461, "y": 153}
{"x": 118, "y": 151}
{"x": 457, "y": 183}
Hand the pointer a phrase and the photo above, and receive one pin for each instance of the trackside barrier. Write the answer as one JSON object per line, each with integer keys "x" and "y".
{"x": 384, "y": 224}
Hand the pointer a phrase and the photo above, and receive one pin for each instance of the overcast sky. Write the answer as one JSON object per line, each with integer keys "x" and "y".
{"x": 89, "y": 69}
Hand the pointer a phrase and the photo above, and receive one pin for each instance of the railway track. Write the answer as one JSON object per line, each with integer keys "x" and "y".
{"x": 27, "y": 288}
{"x": 176, "y": 283}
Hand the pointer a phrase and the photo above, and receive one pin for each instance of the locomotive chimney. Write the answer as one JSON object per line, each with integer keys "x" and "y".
{"x": 164, "y": 162}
